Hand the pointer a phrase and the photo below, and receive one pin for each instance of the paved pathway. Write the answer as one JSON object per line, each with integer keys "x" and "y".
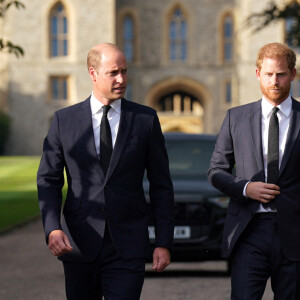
{"x": 28, "y": 271}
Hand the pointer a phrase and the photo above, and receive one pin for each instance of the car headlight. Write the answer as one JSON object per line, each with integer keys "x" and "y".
{"x": 221, "y": 201}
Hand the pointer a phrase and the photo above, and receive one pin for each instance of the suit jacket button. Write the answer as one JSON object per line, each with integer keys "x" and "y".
{"x": 106, "y": 187}
{"x": 103, "y": 209}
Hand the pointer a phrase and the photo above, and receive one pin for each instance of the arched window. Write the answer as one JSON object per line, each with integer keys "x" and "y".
{"x": 128, "y": 38}
{"x": 178, "y": 36}
{"x": 228, "y": 39}
{"x": 59, "y": 45}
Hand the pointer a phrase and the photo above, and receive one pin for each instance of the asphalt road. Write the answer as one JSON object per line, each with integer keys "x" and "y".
{"x": 28, "y": 271}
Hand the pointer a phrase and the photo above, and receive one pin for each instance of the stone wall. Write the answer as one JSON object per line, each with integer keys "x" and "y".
{"x": 24, "y": 84}
{"x": 28, "y": 100}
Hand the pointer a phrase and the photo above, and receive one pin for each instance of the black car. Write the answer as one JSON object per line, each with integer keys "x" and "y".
{"x": 199, "y": 208}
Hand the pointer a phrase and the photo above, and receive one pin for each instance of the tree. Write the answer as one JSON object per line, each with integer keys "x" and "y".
{"x": 4, "y": 130}
{"x": 290, "y": 13}
{"x": 5, "y": 44}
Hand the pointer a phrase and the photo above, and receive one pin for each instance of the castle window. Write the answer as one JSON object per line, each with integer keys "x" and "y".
{"x": 128, "y": 38}
{"x": 58, "y": 31}
{"x": 178, "y": 36}
{"x": 228, "y": 92}
{"x": 295, "y": 88}
{"x": 59, "y": 88}
{"x": 128, "y": 94}
{"x": 228, "y": 39}
{"x": 290, "y": 30}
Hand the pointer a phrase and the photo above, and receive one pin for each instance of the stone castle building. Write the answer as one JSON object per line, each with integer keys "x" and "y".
{"x": 191, "y": 60}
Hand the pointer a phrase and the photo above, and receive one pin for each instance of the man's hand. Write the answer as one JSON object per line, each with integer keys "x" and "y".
{"x": 59, "y": 243}
{"x": 161, "y": 259}
{"x": 261, "y": 191}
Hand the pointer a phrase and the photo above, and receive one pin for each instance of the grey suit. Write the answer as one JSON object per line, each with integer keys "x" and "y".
{"x": 239, "y": 146}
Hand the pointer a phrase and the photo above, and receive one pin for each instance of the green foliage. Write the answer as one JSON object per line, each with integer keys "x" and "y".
{"x": 11, "y": 48}
{"x": 290, "y": 13}
{"x": 4, "y": 130}
{"x": 18, "y": 194}
{"x": 6, "y": 4}
{"x": 5, "y": 44}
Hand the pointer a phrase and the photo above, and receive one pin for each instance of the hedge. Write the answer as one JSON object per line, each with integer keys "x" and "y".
{"x": 4, "y": 130}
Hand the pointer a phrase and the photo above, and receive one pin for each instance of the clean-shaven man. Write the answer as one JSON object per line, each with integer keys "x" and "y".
{"x": 105, "y": 144}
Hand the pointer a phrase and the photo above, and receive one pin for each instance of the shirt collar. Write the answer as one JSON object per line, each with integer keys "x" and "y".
{"x": 96, "y": 105}
{"x": 285, "y": 107}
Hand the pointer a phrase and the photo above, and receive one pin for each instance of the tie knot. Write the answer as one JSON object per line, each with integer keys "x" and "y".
{"x": 106, "y": 108}
{"x": 275, "y": 110}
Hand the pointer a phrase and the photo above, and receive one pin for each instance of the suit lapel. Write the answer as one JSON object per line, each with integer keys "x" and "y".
{"x": 126, "y": 119}
{"x": 86, "y": 126}
{"x": 255, "y": 129}
{"x": 292, "y": 134}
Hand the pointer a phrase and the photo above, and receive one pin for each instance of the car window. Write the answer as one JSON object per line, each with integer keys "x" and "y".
{"x": 189, "y": 158}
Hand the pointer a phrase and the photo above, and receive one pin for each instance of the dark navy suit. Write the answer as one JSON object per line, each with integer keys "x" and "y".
{"x": 95, "y": 202}
{"x": 239, "y": 146}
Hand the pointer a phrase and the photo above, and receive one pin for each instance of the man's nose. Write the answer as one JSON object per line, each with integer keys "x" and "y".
{"x": 120, "y": 78}
{"x": 275, "y": 79}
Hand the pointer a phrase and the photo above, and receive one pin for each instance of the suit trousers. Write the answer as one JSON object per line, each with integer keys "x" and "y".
{"x": 257, "y": 257}
{"x": 110, "y": 276}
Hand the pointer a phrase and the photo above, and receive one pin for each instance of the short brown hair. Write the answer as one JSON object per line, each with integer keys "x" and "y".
{"x": 93, "y": 59}
{"x": 274, "y": 50}
{"x": 95, "y": 54}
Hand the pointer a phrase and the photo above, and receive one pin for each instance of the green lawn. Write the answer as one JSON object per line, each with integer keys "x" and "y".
{"x": 18, "y": 194}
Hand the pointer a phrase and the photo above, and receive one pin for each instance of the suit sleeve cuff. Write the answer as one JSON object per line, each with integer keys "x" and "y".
{"x": 244, "y": 190}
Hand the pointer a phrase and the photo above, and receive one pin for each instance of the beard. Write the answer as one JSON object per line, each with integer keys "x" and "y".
{"x": 276, "y": 94}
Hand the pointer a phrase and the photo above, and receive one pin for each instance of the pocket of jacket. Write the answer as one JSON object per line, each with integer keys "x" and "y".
{"x": 233, "y": 210}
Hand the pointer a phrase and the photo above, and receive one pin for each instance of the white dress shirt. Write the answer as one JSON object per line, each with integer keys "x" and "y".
{"x": 113, "y": 119}
{"x": 283, "y": 115}
{"x": 284, "y": 122}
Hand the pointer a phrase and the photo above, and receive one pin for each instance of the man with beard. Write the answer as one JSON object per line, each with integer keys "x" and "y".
{"x": 261, "y": 141}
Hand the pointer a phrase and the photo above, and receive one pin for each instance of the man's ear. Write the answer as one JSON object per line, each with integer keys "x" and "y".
{"x": 93, "y": 74}
{"x": 257, "y": 72}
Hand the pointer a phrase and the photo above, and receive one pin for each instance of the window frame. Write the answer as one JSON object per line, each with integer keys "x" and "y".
{"x": 63, "y": 92}
{"x": 227, "y": 41}
{"x": 228, "y": 83}
{"x": 61, "y": 33}
{"x": 128, "y": 40}
{"x": 178, "y": 38}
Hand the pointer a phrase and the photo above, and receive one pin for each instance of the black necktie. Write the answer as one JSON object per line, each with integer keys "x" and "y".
{"x": 273, "y": 148}
{"x": 105, "y": 140}
{"x": 273, "y": 151}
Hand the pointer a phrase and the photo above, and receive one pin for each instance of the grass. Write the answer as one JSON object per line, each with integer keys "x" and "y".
{"x": 18, "y": 193}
